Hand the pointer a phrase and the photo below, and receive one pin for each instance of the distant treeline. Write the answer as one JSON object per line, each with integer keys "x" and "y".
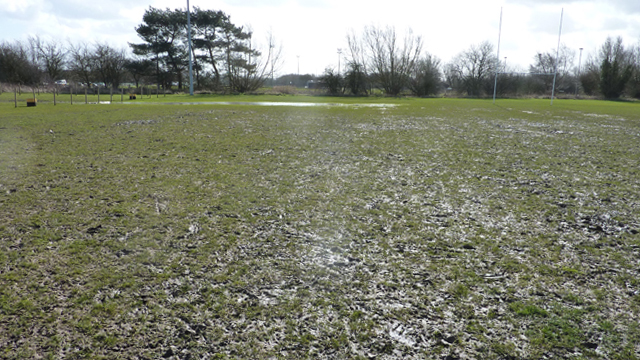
{"x": 226, "y": 58}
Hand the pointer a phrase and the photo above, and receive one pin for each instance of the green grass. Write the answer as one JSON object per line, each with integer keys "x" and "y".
{"x": 429, "y": 228}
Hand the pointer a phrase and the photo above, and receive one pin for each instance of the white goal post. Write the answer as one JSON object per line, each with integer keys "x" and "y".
{"x": 555, "y": 70}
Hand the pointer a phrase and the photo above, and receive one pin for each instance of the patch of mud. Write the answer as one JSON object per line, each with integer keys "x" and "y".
{"x": 137, "y": 122}
{"x": 605, "y": 116}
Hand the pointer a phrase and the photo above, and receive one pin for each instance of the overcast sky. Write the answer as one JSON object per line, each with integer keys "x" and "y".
{"x": 311, "y": 31}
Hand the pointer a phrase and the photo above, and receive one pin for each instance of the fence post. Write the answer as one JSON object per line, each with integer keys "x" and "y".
{"x": 98, "y": 94}
{"x": 54, "y": 97}
{"x": 71, "y": 95}
{"x": 15, "y": 96}
{"x": 85, "y": 96}
{"x": 122, "y": 95}
{"x": 110, "y": 94}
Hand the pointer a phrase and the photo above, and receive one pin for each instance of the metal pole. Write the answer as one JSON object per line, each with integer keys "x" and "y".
{"x": 578, "y": 79}
{"x": 271, "y": 51}
{"x": 339, "y": 56}
{"x": 495, "y": 83}
{"x": 555, "y": 73}
{"x": 190, "y": 64}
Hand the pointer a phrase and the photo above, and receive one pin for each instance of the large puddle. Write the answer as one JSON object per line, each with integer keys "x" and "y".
{"x": 258, "y": 103}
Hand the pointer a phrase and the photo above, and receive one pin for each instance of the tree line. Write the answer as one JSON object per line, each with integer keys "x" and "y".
{"x": 35, "y": 62}
{"x": 226, "y": 57}
{"x": 378, "y": 59}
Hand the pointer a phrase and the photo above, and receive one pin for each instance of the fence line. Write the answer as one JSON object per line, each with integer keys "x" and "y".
{"x": 56, "y": 91}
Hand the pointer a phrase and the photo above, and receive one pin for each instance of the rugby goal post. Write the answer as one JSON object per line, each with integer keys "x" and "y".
{"x": 555, "y": 69}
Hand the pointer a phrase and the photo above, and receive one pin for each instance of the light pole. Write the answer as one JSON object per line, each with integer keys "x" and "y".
{"x": 298, "y": 65}
{"x": 578, "y": 79}
{"x": 339, "y": 56}
{"x": 189, "y": 36}
{"x": 271, "y": 50}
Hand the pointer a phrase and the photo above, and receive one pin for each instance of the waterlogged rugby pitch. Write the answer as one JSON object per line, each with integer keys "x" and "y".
{"x": 431, "y": 229}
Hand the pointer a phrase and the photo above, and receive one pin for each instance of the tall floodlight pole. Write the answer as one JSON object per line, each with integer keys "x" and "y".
{"x": 190, "y": 62}
{"x": 578, "y": 79}
{"x": 555, "y": 72}
{"x": 495, "y": 83}
{"x": 271, "y": 49}
{"x": 298, "y": 65}
{"x": 339, "y": 56}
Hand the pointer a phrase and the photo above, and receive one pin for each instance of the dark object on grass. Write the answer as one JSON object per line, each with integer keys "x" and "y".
{"x": 94, "y": 230}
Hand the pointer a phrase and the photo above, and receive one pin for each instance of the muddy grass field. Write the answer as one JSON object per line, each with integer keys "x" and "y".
{"x": 420, "y": 229}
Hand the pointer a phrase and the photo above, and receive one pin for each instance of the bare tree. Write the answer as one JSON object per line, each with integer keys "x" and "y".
{"x": 51, "y": 57}
{"x": 590, "y": 76}
{"x": 451, "y": 77}
{"x": 17, "y": 65}
{"x": 356, "y": 79}
{"x": 247, "y": 67}
{"x": 82, "y": 62}
{"x": 356, "y": 52}
{"x": 357, "y": 74}
{"x": 109, "y": 64}
{"x": 139, "y": 68}
{"x": 545, "y": 63}
{"x": 390, "y": 59}
{"x": 426, "y": 77}
{"x": 474, "y": 67}
{"x": 332, "y": 81}
{"x": 634, "y": 82}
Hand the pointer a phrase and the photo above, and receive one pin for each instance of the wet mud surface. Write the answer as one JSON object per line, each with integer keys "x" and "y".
{"x": 327, "y": 233}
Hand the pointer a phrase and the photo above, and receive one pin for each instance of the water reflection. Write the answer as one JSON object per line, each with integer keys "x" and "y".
{"x": 264, "y": 103}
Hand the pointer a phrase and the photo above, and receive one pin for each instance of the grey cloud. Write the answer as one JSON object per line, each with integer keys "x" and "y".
{"x": 613, "y": 24}
{"x": 629, "y": 6}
